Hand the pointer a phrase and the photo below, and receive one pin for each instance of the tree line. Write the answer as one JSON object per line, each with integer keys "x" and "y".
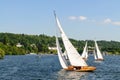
{"x": 40, "y": 44}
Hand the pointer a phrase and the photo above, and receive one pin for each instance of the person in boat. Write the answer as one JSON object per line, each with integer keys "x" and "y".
{"x": 74, "y": 68}
{"x": 77, "y": 68}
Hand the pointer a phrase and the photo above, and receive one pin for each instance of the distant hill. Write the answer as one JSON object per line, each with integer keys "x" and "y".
{"x": 20, "y": 44}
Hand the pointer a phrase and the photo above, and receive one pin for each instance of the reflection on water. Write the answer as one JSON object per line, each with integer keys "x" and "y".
{"x": 71, "y": 75}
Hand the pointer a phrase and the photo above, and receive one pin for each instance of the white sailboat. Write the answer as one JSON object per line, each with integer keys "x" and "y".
{"x": 76, "y": 61}
{"x": 97, "y": 54}
{"x": 85, "y": 52}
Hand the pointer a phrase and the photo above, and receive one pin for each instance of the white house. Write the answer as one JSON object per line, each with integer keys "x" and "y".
{"x": 52, "y": 48}
{"x": 18, "y": 45}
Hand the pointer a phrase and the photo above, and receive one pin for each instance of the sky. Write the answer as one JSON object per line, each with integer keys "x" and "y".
{"x": 80, "y": 19}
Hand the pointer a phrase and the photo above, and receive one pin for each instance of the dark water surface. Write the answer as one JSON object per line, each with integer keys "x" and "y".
{"x": 47, "y": 67}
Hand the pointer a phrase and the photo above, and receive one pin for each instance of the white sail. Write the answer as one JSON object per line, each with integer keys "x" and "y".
{"x": 95, "y": 56}
{"x": 74, "y": 56}
{"x": 99, "y": 55}
{"x": 65, "y": 54}
{"x": 62, "y": 60}
{"x": 85, "y": 52}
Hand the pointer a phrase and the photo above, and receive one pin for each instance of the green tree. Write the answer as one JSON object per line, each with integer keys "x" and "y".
{"x": 2, "y": 53}
{"x": 6, "y": 40}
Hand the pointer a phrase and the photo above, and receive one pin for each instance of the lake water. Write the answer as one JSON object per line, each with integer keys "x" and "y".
{"x": 47, "y": 67}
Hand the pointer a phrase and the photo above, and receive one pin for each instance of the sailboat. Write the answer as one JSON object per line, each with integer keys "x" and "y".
{"x": 76, "y": 61}
{"x": 85, "y": 52}
{"x": 97, "y": 54}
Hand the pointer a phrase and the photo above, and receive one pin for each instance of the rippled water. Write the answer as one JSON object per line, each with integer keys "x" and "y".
{"x": 47, "y": 67}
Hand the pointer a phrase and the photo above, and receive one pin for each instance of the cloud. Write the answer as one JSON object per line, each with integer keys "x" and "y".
{"x": 107, "y": 20}
{"x": 72, "y": 17}
{"x": 82, "y": 18}
{"x": 116, "y": 23}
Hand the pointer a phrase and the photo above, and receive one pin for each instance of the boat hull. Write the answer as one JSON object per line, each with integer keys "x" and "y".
{"x": 85, "y": 59}
{"x": 81, "y": 68}
{"x": 99, "y": 60}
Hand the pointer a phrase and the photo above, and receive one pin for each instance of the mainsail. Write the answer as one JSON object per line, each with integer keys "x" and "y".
{"x": 74, "y": 56}
{"x": 97, "y": 51}
{"x": 62, "y": 60}
{"x": 85, "y": 52}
